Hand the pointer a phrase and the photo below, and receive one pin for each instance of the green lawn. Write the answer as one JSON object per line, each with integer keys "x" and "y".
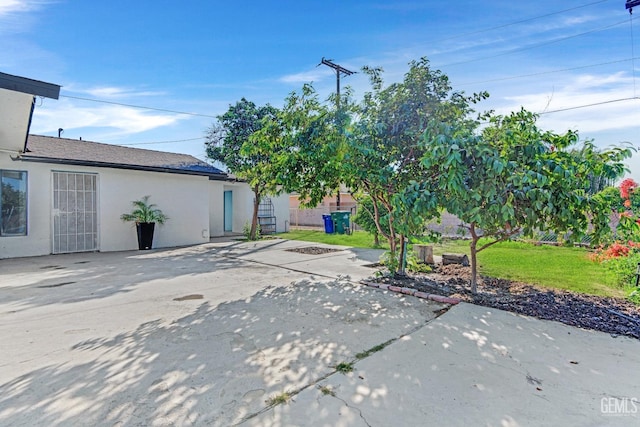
{"x": 550, "y": 266}
{"x": 359, "y": 239}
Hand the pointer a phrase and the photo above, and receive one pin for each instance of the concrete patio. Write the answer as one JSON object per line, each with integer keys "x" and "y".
{"x": 209, "y": 334}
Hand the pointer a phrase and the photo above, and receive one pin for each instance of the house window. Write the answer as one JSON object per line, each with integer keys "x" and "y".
{"x": 13, "y": 203}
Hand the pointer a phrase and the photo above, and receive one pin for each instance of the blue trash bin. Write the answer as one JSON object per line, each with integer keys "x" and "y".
{"x": 328, "y": 224}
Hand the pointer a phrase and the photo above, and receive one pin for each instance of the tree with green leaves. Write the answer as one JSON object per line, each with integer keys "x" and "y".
{"x": 383, "y": 156}
{"x": 230, "y": 141}
{"x": 365, "y": 215}
{"x": 308, "y": 144}
{"x": 514, "y": 177}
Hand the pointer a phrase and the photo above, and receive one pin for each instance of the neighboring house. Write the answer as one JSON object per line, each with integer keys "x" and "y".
{"x": 312, "y": 217}
{"x": 60, "y": 195}
{"x": 447, "y": 225}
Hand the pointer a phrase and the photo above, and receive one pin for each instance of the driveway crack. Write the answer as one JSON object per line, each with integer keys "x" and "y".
{"x": 352, "y": 407}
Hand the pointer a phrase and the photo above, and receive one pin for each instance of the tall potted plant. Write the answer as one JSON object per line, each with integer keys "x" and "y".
{"x": 145, "y": 215}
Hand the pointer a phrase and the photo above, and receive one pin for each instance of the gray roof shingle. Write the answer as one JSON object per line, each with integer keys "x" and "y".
{"x": 71, "y": 151}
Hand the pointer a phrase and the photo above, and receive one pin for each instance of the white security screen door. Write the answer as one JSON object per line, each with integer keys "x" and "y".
{"x": 75, "y": 212}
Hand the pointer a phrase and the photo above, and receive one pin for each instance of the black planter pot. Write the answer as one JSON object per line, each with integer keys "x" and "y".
{"x": 145, "y": 234}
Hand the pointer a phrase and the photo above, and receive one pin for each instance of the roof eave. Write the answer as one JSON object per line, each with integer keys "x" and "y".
{"x": 225, "y": 178}
{"x": 28, "y": 158}
{"x": 29, "y": 86}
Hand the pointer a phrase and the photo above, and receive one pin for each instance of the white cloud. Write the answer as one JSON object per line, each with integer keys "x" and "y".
{"x": 119, "y": 119}
{"x": 596, "y": 118}
{"x": 14, "y": 16}
{"x": 115, "y": 92}
{"x": 592, "y": 92}
{"x": 306, "y": 76}
{"x": 588, "y": 81}
{"x": 11, "y": 6}
{"x": 575, "y": 20}
{"x": 538, "y": 26}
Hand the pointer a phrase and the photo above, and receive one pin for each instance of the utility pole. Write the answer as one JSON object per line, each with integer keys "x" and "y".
{"x": 630, "y": 5}
{"x": 339, "y": 70}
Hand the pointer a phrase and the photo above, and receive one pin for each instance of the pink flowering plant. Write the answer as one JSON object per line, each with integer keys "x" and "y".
{"x": 627, "y": 233}
{"x": 622, "y": 257}
{"x": 629, "y": 225}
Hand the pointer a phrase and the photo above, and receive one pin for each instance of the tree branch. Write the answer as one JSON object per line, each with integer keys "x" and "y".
{"x": 376, "y": 217}
{"x": 502, "y": 238}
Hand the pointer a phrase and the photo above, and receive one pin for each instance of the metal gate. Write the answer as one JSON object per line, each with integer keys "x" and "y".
{"x": 75, "y": 212}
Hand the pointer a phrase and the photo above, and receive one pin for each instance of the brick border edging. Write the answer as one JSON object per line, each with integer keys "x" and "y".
{"x": 412, "y": 292}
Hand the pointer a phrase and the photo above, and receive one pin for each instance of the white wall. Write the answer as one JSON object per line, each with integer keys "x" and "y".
{"x": 193, "y": 203}
{"x": 242, "y": 204}
{"x": 281, "y": 207}
{"x": 243, "y": 208}
{"x": 184, "y": 198}
{"x": 216, "y": 208}
{"x": 38, "y": 238}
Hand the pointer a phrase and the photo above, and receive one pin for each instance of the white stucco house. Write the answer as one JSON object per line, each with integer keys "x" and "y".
{"x": 61, "y": 195}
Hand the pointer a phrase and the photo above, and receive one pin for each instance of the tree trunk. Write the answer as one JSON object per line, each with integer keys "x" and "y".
{"x": 376, "y": 239}
{"x": 254, "y": 218}
{"x": 474, "y": 259}
{"x": 376, "y": 217}
{"x": 401, "y": 256}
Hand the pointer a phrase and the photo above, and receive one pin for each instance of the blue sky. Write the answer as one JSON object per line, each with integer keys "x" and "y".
{"x": 201, "y": 56}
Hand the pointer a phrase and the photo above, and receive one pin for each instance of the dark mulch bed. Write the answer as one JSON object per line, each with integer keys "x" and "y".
{"x": 611, "y": 315}
{"x": 313, "y": 250}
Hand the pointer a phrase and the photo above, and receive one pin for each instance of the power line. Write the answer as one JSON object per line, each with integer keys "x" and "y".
{"x": 633, "y": 63}
{"x": 457, "y": 63}
{"x": 164, "y": 110}
{"x": 590, "y": 105}
{"x": 535, "y": 45}
{"x": 165, "y": 142}
{"x": 522, "y": 21}
{"x": 546, "y": 72}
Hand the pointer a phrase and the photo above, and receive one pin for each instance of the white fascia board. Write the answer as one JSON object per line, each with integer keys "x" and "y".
{"x": 15, "y": 115}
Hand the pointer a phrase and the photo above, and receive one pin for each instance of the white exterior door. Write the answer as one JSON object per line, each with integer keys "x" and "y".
{"x": 75, "y": 212}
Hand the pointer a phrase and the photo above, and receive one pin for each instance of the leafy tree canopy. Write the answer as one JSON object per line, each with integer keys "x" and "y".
{"x": 308, "y": 143}
{"x": 383, "y": 157}
{"x": 232, "y": 141}
{"x": 515, "y": 178}
{"x": 226, "y": 137}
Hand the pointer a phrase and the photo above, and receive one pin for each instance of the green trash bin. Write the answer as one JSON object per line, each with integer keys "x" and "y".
{"x": 342, "y": 221}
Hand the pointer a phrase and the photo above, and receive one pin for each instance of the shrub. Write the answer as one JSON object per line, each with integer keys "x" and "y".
{"x": 415, "y": 266}
{"x": 246, "y": 231}
{"x": 624, "y": 268}
{"x": 144, "y": 212}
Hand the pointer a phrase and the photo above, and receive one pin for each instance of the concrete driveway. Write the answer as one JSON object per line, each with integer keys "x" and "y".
{"x": 211, "y": 334}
